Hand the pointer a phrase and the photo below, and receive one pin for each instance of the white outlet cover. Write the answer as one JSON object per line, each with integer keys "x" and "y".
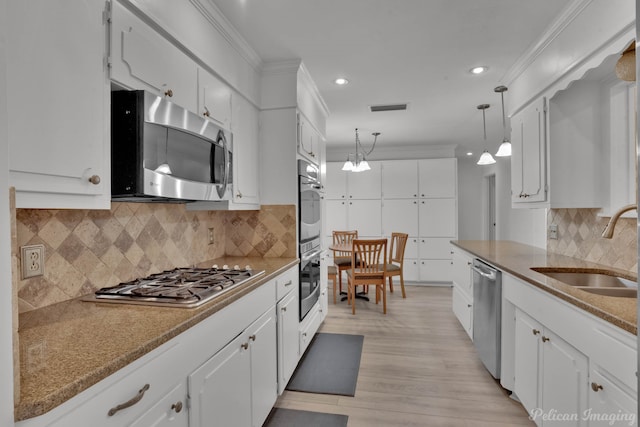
{"x": 32, "y": 267}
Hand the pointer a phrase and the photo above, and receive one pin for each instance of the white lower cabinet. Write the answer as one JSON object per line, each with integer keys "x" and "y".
{"x": 463, "y": 310}
{"x": 570, "y": 368}
{"x": 288, "y": 321}
{"x": 462, "y": 299}
{"x": 237, "y": 386}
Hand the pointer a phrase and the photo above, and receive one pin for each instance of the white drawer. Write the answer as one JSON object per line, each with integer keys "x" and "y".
{"x": 286, "y": 282}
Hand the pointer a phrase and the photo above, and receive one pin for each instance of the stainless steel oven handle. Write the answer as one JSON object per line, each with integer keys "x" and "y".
{"x": 308, "y": 256}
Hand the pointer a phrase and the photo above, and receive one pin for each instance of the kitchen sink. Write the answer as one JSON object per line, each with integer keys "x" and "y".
{"x": 594, "y": 281}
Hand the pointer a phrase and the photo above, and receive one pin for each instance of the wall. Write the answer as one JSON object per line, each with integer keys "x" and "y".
{"x": 7, "y": 317}
{"x": 579, "y": 236}
{"x": 89, "y": 249}
{"x": 470, "y": 199}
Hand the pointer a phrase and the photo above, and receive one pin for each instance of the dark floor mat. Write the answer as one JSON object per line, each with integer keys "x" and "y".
{"x": 280, "y": 417}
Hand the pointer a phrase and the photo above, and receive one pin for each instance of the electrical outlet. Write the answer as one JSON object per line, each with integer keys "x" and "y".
{"x": 32, "y": 261}
{"x": 553, "y": 231}
{"x": 211, "y": 240}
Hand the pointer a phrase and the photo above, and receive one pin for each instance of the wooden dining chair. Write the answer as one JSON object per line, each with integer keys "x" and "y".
{"x": 396, "y": 260}
{"x": 368, "y": 268}
{"x": 342, "y": 260}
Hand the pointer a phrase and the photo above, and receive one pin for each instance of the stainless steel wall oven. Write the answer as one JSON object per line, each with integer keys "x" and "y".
{"x": 309, "y": 235}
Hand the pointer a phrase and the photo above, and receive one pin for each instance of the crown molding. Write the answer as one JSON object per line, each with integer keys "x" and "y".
{"x": 563, "y": 20}
{"x": 308, "y": 81}
{"x": 288, "y": 66}
{"x": 212, "y": 13}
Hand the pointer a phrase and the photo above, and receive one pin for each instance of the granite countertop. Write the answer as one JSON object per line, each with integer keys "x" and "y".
{"x": 68, "y": 347}
{"x": 517, "y": 260}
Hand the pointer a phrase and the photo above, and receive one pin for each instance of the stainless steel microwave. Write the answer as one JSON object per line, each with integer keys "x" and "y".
{"x": 163, "y": 152}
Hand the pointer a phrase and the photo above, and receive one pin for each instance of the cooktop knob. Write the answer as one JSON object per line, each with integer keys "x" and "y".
{"x": 225, "y": 267}
{"x": 247, "y": 267}
{"x": 236, "y": 267}
{"x": 215, "y": 266}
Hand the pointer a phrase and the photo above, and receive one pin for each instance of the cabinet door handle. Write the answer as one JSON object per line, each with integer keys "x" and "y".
{"x": 206, "y": 112}
{"x": 244, "y": 345}
{"x": 94, "y": 179}
{"x": 545, "y": 339}
{"x": 168, "y": 93}
{"x": 137, "y": 398}
{"x": 289, "y": 283}
{"x": 468, "y": 262}
{"x": 468, "y": 305}
{"x": 535, "y": 331}
{"x": 283, "y": 309}
{"x": 252, "y": 337}
{"x": 596, "y": 387}
{"x": 177, "y": 407}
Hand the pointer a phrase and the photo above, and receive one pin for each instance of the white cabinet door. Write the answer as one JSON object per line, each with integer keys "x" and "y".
{"x": 400, "y": 215}
{"x": 400, "y": 179}
{"x": 336, "y": 215}
{"x": 336, "y": 181}
{"x": 220, "y": 389}
{"x": 143, "y": 59}
{"x": 564, "y": 379}
{"x": 58, "y": 93}
{"x": 438, "y": 177}
{"x": 435, "y": 270}
{"x": 366, "y": 217}
{"x": 411, "y": 251}
{"x": 462, "y": 270}
{"x": 528, "y": 163}
{"x": 367, "y": 184}
{"x": 437, "y": 218}
{"x": 527, "y": 360}
{"x": 435, "y": 248}
{"x": 214, "y": 98}
{"x": 171, "y": 411}
{"x": 245, "y": 153}
{"x": 308, "y": 141}
{"x": 608, "y": 396}
{"x": 463, "y": 310}
{"x": 264, "y": 366}
{"x": 288, "y": 322}
{"x": 411, "y": 270}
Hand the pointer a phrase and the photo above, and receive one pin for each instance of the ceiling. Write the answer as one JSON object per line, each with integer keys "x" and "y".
{"x": 400, "y": 51}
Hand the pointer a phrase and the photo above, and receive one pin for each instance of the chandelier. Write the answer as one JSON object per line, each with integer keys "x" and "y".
{"x": 357, "y": 162}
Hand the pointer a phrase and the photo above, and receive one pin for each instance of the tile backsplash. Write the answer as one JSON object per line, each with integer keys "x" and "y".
{"x": 579, "y": 236}
{"x": 89, "y": 249}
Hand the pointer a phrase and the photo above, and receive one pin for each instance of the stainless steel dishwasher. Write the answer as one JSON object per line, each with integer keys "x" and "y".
{"x": 487, "y": 302}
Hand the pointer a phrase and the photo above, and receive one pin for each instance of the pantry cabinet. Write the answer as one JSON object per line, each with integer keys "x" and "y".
{"x": 58, "y": 93}
{"x": 400, "y": 179}
{"x": 141, "y": 58}
{"x": 437, "y": 178}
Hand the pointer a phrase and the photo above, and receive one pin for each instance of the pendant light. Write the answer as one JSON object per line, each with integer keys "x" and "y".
{"x": 505, "y": 147}
{"x": 486, "y": 158}
{"x": 359, "y": 162}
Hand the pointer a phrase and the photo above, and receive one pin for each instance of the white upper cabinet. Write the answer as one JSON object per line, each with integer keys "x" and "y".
{"x": 214, "y": 98}
{"x": 400, "y": 179}
{"x": 438, "y": 177}
{"x": 528, "y": 162}
{"x": 58, "y": 126}
{"x": 309, "y": 140}
{"x": 246, "y": 188}
{"x": 142, "y": 59}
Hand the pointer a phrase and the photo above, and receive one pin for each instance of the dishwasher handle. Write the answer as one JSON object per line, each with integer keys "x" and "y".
{"x": 491, "y": 274}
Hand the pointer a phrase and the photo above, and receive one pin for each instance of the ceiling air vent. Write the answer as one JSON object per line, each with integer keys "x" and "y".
{"x": 388, "y": 107}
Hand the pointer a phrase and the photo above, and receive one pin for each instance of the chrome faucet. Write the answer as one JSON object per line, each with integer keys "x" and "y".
{"x": 608, "y": 230}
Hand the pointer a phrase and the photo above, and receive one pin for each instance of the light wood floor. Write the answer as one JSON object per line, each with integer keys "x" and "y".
{"x": 418, "y": 368}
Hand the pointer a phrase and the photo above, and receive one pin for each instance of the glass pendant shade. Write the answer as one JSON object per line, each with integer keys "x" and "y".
{"x": 505, "y": 149}
{"x": 486, "y": 159}
{"x": 348, "y": 166}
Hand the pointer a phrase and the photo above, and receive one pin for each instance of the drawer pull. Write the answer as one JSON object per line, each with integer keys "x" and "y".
{"x": 137, "y": 398}
{"x": 535, "y": 331}
{"x": 283, "y": 309}
{"x": 596, "y": 387}
{"x": 245, "y": 345}
{"x": 252, "y": 337}
{"x": 545, "y": 339}
{"x": 289, "y": 283}
{"x": 177, "y": 407}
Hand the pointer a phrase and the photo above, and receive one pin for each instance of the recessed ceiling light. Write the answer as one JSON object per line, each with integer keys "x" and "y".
{"x": 341, "y": 81}
{"x": 478, "y": 70}
{"x": 469, "y": 153}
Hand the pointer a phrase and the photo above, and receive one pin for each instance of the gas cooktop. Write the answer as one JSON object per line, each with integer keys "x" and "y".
{"x": 180, "y": 287}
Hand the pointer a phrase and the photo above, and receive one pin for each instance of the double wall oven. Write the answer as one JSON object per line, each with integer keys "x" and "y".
{"x": 309, "y": 235}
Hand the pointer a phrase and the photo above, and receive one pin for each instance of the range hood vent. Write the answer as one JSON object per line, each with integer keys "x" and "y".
{"x": 388, "y": 107}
